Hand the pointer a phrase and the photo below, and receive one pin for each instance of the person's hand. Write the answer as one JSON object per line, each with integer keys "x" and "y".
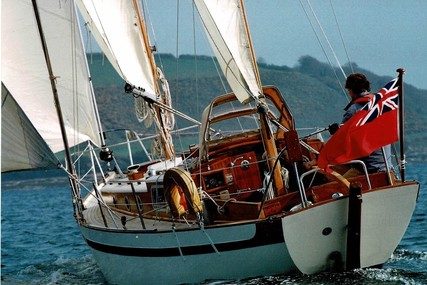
{"x": 310, "y": 164}
{"x": 333, "y": 128}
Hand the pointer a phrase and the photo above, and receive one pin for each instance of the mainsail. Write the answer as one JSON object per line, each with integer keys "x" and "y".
{"x": 228, "y": 33}
{"x": 25, "y": 77}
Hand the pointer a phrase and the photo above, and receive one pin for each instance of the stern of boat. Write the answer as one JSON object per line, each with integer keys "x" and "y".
{"x": 317, "y": 236}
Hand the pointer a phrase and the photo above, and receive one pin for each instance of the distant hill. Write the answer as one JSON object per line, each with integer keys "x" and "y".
{"x": 310, "y": 89}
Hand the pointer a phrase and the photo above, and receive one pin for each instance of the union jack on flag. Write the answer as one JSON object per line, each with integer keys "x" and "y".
{"x": 373, "y": 126}
{"x": 384, "y": 101}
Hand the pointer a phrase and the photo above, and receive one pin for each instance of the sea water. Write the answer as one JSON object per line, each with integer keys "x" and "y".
{"x": 41, "y": 244}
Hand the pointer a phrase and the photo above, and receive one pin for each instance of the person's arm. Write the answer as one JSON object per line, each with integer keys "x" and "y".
{"x": 350, "y": 112}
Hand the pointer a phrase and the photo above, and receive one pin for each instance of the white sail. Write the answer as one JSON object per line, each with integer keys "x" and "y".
{"x": 121, "y": 33}
{"x": 228, "y": 34}
{"x": 117, "y": 30}
{"x": 22, "y": 146}
{"x": 25, "y": 74}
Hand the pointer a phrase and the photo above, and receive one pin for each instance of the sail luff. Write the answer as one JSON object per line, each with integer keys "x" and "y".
{"x": 228, "y": 31}
{"x": 85, "y": 64}
{"x": 144, "y": 34}
{"x": 116, "y": 27}
{"x": 121, "y": 31}
{"x": 70, "y": 166}
{"x": 88, "y": 11}
{"x": 254, "y": 63}
{"x": 25, "y": 74}
{"x": 225, "y": 26}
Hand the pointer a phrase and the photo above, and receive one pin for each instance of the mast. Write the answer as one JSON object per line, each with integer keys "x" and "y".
{"x": 258, "y": 77}
{"x": 268, "y": 136}
{"x": 147, "y": 44}
{"x": 70, "y": 165}
{"x": 164, "y": 134}
{"x": 270, "y": 147}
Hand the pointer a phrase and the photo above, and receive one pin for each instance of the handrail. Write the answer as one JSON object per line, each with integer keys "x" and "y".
{"x": 365, "y": 170}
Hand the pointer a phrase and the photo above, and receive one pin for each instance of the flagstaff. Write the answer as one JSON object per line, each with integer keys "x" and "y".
{"x": 401, "y": 71}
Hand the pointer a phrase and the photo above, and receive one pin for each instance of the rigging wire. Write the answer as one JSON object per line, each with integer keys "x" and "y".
{"x": 230, "y": 70}
{"x": 341, "y": 37}
{"x": 326, "y": 38}
{"x": 195, "y": 59}
{"x": 75, "y": 98}
{"x": 321, "y": 45}
{"x": 177, "y": 68}
{"x": 148, "y": 20}
{"x": 177, "y": 45}
{"x": 317, "y": 36}
{"x": 212, "y": 57}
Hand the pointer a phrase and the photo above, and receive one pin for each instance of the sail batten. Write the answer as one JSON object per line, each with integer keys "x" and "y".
{"x": 227, "y": 32}
{"x": 26, "y": 77}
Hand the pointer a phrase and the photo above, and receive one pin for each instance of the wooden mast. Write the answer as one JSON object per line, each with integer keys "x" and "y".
{"x": 255, "y": 65}
{"x": 267, "y": 136}
{"x": 167, "y": 145}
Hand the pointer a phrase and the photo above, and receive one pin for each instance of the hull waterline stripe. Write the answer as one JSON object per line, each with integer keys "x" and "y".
{"x": 266, "y": 234}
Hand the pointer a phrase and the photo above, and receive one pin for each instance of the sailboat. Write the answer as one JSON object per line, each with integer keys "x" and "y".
{"x": 237, "y": 205}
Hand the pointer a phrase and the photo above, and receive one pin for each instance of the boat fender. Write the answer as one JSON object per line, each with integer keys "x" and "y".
{"x": 181, "y": 192}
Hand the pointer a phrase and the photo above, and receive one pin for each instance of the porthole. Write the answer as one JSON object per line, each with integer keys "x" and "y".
{"x": 327, "y": 231}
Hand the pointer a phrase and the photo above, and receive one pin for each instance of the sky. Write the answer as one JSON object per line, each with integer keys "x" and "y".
{"x": 378, "y": 35}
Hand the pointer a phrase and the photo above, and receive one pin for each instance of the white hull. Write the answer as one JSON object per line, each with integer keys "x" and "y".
{"x": 257, "y": 248}
{"x": 236, "y": 181}
{"x": 317, "y": 237}
{"x": 385, "y": 218}
{"x": 154, "y": 258}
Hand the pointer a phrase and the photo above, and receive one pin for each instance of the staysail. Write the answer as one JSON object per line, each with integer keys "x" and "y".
{"x": 228, "y": 33}
{"x": 25, "y": 77}
{"x": 120, "y": 31}
{"x": 116, "y": 28}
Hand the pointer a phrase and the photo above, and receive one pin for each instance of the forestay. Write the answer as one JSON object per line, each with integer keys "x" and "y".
{"x": 25, "y": 76}
{"x": 225, "y": 25}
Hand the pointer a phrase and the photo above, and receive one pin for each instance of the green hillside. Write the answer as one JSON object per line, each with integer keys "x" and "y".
{"x": 310, "y": 88}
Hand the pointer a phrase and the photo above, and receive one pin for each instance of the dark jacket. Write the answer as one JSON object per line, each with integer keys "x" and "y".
{"x": 375, "y": 161}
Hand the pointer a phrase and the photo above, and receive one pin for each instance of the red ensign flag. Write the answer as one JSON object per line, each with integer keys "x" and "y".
{"x": 373, "y": 126}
